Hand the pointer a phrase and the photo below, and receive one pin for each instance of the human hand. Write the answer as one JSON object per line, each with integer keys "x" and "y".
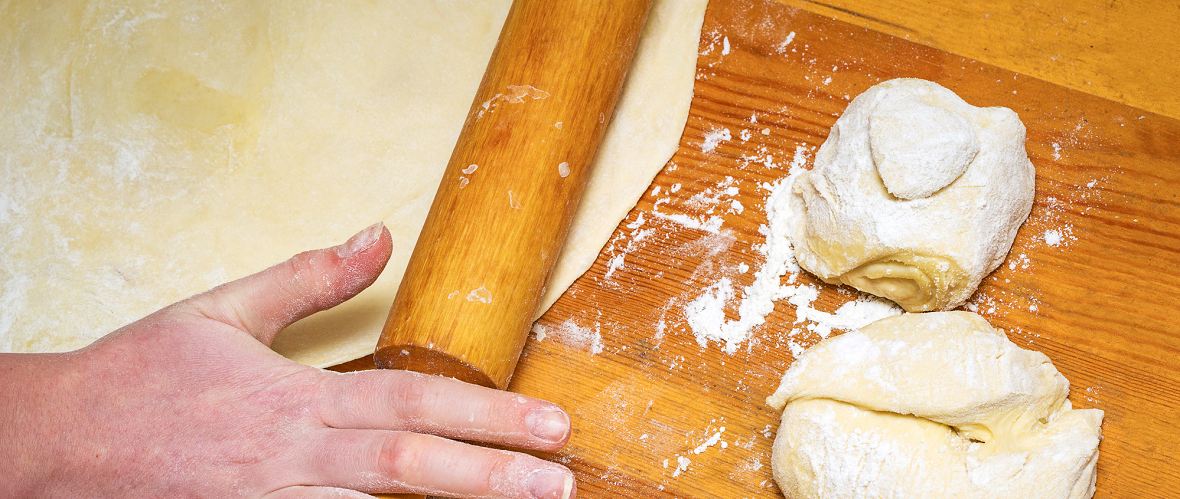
{"x": 191, "y": 402}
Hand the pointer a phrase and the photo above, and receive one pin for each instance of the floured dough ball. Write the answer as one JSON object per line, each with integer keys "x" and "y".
{"x": 931, "y": 405}
{"x": 915, "y": 196}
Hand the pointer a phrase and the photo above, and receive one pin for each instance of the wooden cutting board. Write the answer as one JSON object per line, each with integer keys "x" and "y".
{"x": 1090, "y": 281}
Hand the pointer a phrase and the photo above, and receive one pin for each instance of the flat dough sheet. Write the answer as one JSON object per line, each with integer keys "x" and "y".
{"x": 151, "y": 151}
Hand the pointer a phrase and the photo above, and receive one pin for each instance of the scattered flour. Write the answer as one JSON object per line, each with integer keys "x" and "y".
{"x": 852, "y": 315}
{"x": 707, "y": 201}
{"x": 480, "y": 294}
{"x": 706, "y": 313}
{"x": 711, "y": 224}
{"x": 766, "y": 158}
{"x": 637, "y": 234}
{"x": 570, "y": 333}
{"x": 1052, "y": 237}
{"x": 782, "y": 47}
{"x": 639, "y": 220}
{"x": 681, "y": 465}
{"x": 614, "y": 264}
{"x": 715, "y": 137}
{"x": 1060, "y": 236}
{"x": 747, "y": 469}
{"x": 1022, "y": 261}
{"x": 713, "y": 440}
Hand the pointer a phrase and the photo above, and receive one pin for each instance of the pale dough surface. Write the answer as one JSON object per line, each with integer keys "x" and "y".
{"x": 152, "y": 150}
{"x": 933, "y": 405}
{"x": 915, "y": 196}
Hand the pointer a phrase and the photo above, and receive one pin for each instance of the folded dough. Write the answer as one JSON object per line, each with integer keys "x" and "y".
{"x": 931, "y": 405}
{"x": 915, "y": 196}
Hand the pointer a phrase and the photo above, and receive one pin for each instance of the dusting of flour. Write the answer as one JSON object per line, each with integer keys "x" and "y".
{"x": 570, "y": 333}
{"x": 706, "y": 313}
{"x": 715, "y": 137}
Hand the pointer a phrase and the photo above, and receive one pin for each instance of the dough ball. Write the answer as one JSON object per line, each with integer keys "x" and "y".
{"x": 931, "y": 405}
{"x": 915, "y": 196}
{"x": 919, "y": 148}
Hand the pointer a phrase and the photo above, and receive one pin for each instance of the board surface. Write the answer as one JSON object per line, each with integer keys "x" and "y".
{"x": 1127, "y": 52}
{"x": 1090, "y": 281}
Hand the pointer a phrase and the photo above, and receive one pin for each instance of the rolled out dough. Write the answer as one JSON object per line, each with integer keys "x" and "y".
{"x": 151, "y": 150}
{"x": 931, "y": 405}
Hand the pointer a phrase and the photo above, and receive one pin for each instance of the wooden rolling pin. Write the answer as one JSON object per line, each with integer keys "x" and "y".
{"x": 501, "y": 214}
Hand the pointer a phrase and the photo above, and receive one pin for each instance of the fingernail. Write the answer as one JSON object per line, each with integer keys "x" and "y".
{"x": 551, "y": 484}
{"x": 548, "y": 423}
{"x": 361, "y": 241}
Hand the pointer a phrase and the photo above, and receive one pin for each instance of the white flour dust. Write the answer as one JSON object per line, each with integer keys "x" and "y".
{"x": 638, "y": 237}
{"x": 711, "y": 224}
{"x": 681, "y": 466}
{"x": 711, "y": 441}
{"x": 1052, "y": 237}
{"x": 516, "y": 94}
{"x": 705, "y": 213}
{"x": 571, "y": 334}
{"x": 715, "y": 137}
{"x": 1058, "y": 231}
{"x": 706, "y": 314}
{"x": 782, "y": 47}
{"x": 706, "y": 202}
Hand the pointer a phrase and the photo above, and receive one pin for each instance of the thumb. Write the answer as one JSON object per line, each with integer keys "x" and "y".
{"x": 264, "y": 303}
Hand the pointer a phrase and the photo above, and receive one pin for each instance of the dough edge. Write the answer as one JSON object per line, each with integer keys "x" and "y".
{"x": 838, "y": 384}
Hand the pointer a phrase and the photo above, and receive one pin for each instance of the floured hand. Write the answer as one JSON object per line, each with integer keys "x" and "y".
{"x": 190, "y": 401}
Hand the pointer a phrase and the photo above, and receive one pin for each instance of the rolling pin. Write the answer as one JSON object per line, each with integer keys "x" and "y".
{"x": 499, "y": 219}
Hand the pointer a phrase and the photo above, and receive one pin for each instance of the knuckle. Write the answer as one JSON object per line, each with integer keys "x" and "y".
{"x": 499, "y": 466}
{"x": 499, "y": 473}
{"x": 305, "y": 278}
{"x": 297, "y": 272}
{"x": 409, "y": 397}
{"x": 400, "y": 459}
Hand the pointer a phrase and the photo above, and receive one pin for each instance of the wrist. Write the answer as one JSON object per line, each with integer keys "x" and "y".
{"x": 29, "y": 394}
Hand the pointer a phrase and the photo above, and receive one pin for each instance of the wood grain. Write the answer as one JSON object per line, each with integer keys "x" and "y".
{"x": 618, "y": 354}
{"x": 1128, "y": 52}
{"x": 510, "y": 190}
